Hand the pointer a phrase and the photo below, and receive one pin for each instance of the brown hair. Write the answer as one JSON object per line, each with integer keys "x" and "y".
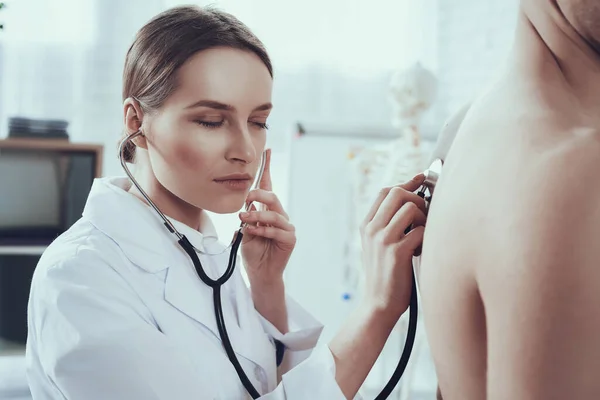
{"x": 167, "y": 41}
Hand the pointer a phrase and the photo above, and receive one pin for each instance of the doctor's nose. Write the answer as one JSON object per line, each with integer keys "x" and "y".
{"x": 241, "y": 147}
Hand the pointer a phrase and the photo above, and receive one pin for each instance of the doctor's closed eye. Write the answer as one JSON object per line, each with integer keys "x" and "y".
{"x": 218, "y": 124}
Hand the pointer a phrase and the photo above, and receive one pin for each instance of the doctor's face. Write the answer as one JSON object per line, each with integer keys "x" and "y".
{"x": 205, "y": 142}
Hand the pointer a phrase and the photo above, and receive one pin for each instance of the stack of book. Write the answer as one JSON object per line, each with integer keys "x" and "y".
{"x": 37, "y": 128}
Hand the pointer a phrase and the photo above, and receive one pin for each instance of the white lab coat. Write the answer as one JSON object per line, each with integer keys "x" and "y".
{"x": 117, "y": 312}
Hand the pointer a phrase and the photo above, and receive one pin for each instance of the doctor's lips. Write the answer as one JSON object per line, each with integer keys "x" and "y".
{"x": 235, "y": 181}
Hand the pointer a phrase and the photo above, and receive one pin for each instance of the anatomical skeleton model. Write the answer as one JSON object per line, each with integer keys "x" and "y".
{"x": 412, "y": 92}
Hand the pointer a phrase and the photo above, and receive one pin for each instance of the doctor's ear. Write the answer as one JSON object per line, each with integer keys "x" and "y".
{"x": 134, "y": 116}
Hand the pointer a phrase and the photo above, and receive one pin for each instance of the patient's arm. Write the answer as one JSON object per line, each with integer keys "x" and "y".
{"x": 442, "y": 147}
{"x": 438, "y": 394}
{"x": 542, "y": 296}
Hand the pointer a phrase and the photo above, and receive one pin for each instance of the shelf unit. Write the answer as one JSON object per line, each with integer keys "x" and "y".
{"x": 22, "y": 250}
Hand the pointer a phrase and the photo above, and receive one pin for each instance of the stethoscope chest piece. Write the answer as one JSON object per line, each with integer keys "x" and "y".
{"x": 432, "y": 175}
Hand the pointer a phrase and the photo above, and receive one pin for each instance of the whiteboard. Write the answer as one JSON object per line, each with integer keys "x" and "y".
{"x": 318, "y": 205}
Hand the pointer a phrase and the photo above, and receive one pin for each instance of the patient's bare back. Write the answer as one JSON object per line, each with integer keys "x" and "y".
{"x": 490, "y": 213}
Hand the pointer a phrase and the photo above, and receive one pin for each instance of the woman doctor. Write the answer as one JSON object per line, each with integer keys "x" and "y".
{"x": 117, "y": 310}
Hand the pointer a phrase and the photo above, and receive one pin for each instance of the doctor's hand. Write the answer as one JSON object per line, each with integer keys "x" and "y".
{"x": 388, "y": 251}
{"x": 269, "y": 238}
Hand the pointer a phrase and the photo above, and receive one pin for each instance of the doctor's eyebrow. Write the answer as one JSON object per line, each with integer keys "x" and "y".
{"x": 225, "y": 107}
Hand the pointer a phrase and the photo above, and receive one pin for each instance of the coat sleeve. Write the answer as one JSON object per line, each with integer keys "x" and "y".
{"x": 303, "y": 335}
{"x": 313, "y": 378}
{"x": 305, "y": 359}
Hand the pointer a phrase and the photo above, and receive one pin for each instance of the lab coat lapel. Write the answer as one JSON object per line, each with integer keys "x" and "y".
{"x": 144, "y": 240}
{"x": 249, "y": 321}
{"x": 185, "y": 291}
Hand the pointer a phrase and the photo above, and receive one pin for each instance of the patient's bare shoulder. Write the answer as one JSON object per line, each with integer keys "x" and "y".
{"x": 566, "y": 192}
{"x": 556, "y": 189}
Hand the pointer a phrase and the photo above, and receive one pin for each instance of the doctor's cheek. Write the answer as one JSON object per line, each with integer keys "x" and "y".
{"x": 195, "y": 155}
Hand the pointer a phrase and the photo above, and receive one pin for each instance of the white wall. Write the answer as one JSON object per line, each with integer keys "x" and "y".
{"x": 474, "y": 37}
{"x": 473, "y": 40}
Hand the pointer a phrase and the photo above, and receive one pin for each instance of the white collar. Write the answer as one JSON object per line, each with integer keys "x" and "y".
{"x": 136, "y": 228}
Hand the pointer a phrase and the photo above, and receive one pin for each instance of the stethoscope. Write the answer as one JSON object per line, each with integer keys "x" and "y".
{"x": 426, "y": 192}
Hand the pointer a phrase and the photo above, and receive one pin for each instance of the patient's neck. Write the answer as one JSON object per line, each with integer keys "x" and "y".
{"x": 550, "y": 51}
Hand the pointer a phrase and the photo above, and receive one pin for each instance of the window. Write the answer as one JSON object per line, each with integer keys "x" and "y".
{"x": 50, "y": 22}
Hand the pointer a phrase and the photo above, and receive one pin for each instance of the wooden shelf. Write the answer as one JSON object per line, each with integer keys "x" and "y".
{"x": 8, "y": 349}
{"x": 22, "y": 250}
{"x": 55, "y": 145}
{"x": 48, "y": 144}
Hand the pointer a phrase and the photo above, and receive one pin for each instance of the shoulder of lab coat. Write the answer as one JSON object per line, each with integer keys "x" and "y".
{"x": 125, "y": 356}
{"x": 91, "y": 337}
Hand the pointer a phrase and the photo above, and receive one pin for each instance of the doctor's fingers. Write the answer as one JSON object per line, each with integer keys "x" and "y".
{"x": 391, "y": 205}
{"x": 270, "y": 218}
{"x": 409, "y": 186}
{"x": 271, "y": 232}
{"x": 267, "y": 198}
{"x": 411, "y": 244}
{"x": 408, "y": 216}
